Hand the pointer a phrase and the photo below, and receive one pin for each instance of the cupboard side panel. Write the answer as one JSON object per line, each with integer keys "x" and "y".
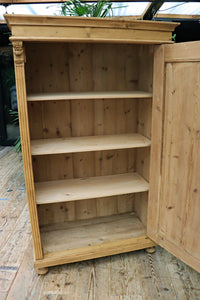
{"x": 144, "y": 120}
{"x": 18, "y": 50}
{"x": 156, "y": 143}
{"x": 145, "y": 67}
{"x": 141, "y": 206}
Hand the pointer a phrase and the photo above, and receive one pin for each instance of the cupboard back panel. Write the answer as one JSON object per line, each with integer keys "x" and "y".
{"x": 89, "y": 67}
{"x": 86, "y": 164}
{"x": 52, "y": 119}
{"x": 84, "y": 209}
{"x": 78, "y": 67}
{"x": 83, "y": 164}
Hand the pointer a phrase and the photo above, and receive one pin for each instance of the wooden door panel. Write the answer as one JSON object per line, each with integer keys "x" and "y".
{"x": 174, "y": 223}
{"x": 181, "y": 159}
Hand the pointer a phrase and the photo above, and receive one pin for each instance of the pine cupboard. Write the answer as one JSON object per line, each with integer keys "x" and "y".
{"x": 110, "y": 127}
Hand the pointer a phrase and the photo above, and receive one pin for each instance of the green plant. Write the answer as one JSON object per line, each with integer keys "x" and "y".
{"x": 174, "y": 37}
{"x": 15, "y": 117}
{"x": 15, "y": 121}
{"x": 99, "y": 9}
{"x": 17, "y": 145}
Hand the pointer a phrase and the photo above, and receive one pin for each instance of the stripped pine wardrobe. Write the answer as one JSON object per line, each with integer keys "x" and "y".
{"x": 103, "y": 139}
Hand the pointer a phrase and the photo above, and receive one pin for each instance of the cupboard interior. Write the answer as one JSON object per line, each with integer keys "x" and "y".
{"x": 54, "y": 68}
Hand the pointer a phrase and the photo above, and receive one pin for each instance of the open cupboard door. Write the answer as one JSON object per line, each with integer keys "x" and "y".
{"x": 174, "y": 197}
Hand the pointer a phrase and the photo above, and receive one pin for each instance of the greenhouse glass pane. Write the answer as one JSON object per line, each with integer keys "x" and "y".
{"x": 34, "y": 9}
{"x": 128, "y": 8}
{"x": 119, "y": 9}
{"x": 185, "y": 8}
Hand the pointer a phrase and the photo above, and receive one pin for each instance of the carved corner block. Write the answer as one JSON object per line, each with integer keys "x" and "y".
{"x": 18, "y": 52}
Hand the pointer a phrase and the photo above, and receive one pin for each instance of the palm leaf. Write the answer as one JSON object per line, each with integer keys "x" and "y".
{"x": 78, "y": 8}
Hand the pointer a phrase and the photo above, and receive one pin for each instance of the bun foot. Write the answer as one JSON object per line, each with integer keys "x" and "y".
{"x": 150, "y": 250}
{"x": 42, "y": 271}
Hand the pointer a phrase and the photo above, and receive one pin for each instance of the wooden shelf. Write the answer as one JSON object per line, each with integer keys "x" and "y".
{"x": 88, "y": 95}
{"x": 88, "y": 143}
{"x": 88, "y": 188}
{"x": 90, "y": 232}
{"x": 85, "y": 239}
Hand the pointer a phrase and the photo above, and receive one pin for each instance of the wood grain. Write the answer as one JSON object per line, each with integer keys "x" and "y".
{"x": 95, "y": 251}
{"x": 78, "y": 234}
{"x": 133, "y": 275}
{"x": 78, "y": 118}
{"x": 157, "y": 140}
{"x": 182, "y": 52}
{"x": 177, "y": 217}
{"x": 25, "y": 142}
{"x": 78, "y": 96}
{"x": 67, "y": 248}
{"x": 181, "y": 166}
{"x": 90, "y": 143}
{"x": 56, "y": 28}
{"x": 89, "y": 95}
{"x": 144, "y": 126}
{"x": 58, "y": 78}
{"x": 88, "y": 188}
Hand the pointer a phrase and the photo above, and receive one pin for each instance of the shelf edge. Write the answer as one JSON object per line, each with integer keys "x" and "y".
{"x": 90, "y": 252}
{"x": 92, "y": 143}
{"x": 88, "y": 96}
{"x": 91, "y": 182}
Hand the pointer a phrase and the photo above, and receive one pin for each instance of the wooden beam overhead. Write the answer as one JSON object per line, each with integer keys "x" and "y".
{"x": 60, "y": 1}
{"x": 177, "y": 16}
{"x": 151, "y": 10}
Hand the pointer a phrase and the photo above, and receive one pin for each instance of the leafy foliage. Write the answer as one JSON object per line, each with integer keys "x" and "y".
{"x": 174, "y": 37}
{"x": 17, "y": 145}
{"x": 15, "y": 121}
{"x": 99, "y": 9}
{"x": 15, "y": 117}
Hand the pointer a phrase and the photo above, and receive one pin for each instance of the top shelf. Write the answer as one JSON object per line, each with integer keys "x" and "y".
{"x": 89, "y": 95}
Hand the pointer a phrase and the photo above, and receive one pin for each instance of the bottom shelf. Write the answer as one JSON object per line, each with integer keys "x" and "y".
{"x": 86, "y": 239}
